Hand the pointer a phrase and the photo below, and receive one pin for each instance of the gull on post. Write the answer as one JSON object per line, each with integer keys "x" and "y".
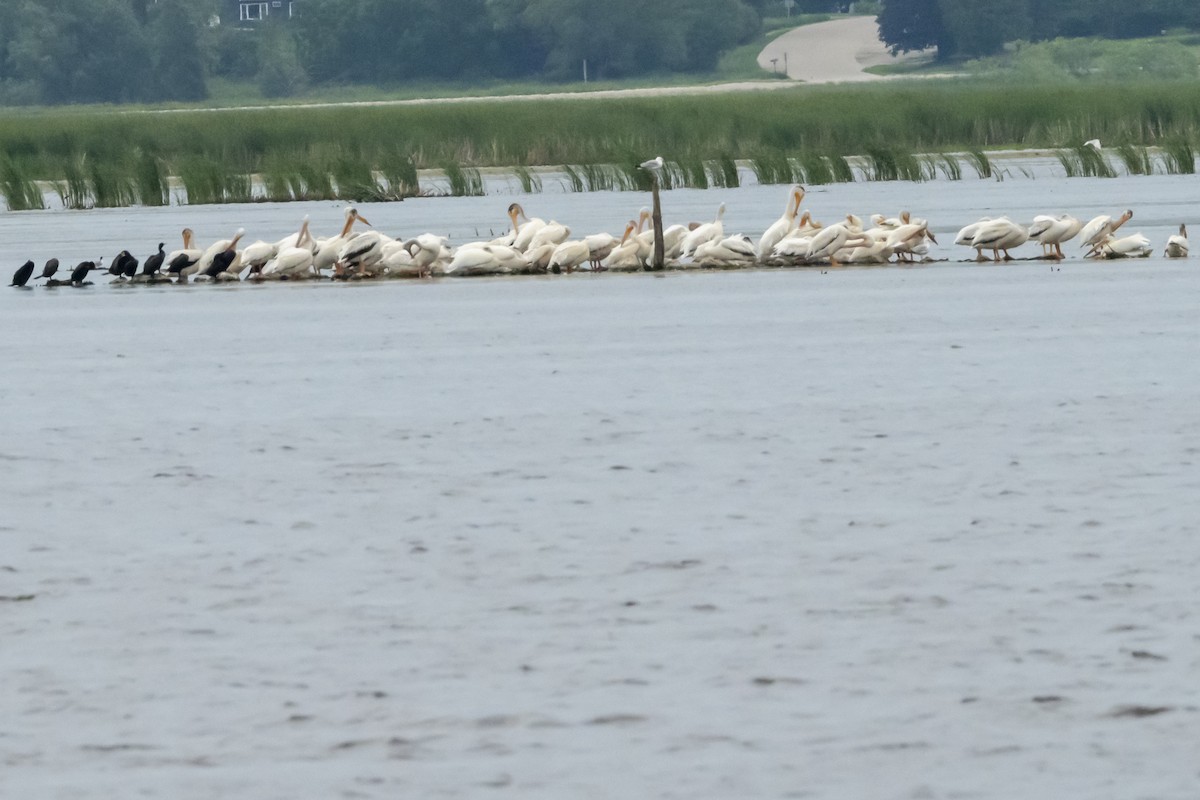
{"x": 653, "y": 165}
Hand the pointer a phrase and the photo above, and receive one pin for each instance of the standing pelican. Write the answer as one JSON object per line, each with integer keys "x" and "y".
{"x": 1001, "y": 234}
{"x": 782, "y": 226}
{"x": 326, "y": 254}
{"x": 182, "y": 262}
{"x": 1177, "y": 245}
{"x": 1053, "y": 231}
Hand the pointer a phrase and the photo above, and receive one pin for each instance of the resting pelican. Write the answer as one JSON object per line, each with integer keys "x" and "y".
{"x": 550, "y": 233}
{"x": 708, "y": 232}
{"x": 782, "y": 226}
{"x": 732, "y": 251}
{"x": 828, "y": 241}
{"x": 1053, "y": 231}
{"x": 1177, "y": 245}
{"x": 488, "y": 259}
{"x": 599, "y": 246}
{"x": 569, "y": 255}
{"x": 967, "y": 235}
{"x": 292, "y": 262}
{"x": 1135, "y": 246}
{"x": 327, "y": 249}
{"x": 625, "y": 257}
{"x": 877, "y": 252}
{"x": 361, "y": 253}
{"x": 1099, "y": 228}
{"x": 425, "y": 250}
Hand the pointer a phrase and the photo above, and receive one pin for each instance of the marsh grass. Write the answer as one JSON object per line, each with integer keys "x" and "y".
{"x": 1179, "y": 157}
{"x": 464, "y": 181}
{"x": 20, "y": 192}
{"x": 980, "y": 161}
{"x": 1137, "y": 160}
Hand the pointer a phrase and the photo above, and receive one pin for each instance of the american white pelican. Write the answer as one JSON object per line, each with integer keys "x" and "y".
{"x": 673, "y": 238}
{"x": 327, "y": 249}
{"x": 877, "y": 252}
{"x": 782, "y": 226}
{"x": 625, "y": 256}
{"x": 599, "y": 246}
{"x": 909, "y": 239}
{"x": 425, "y": 251}
{"x": 523, "y": 232}
{"x": 204, "y": 265}
{"x": 1053, "y": 231}
{"x": 538, "y": 257}
{"x": 999, "y": 234}
{"x": 967, "y": 235}
{"x": 828, "y": 241}
{"x": 1099, "y": 228}
{"x": 360, "y": 254}
{"x": 550, "y": 233}
{"x": 569, "y": 255}
{"x": 1177, "y": 245}
{"x": 732, "y": 251}
{"x": 1135, "y": 246}
{"x": 292, "y": 262}
{"x": 708, "y": 232}
{"x": 182, "y": 262}
{"x": 489, "y": 259}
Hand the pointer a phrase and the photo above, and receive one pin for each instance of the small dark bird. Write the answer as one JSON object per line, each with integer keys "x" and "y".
{"x": 50, "y": 268}
{"x": 154, "y": 263}
{"x": 80, "y": 272}
{"x": 220, "y": 263}
{"x": 120, "y": 265}
{"x": 22, "y": 275}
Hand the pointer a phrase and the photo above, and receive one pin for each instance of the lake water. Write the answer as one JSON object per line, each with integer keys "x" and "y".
{"x": 919, "y": 532}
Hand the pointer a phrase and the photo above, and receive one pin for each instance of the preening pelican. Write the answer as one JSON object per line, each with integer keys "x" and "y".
{"x": 708, "y": 232}
{"x": 732, "y": 251}
{"x": 782, "y": 226}
{"x": 909, "y": 239}
{"x": 827, "y": 242}
{"x": 550, "y": 233}
{"x": 206, "y": 258}
{"x": 569, "y": 255}
{"x": 523, "y": 232}
{"x": 1177, "y": 245}
{"x": 1100, "y": 228}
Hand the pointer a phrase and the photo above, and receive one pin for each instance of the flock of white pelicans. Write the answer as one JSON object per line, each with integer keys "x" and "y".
{"x": 535, "y": 245}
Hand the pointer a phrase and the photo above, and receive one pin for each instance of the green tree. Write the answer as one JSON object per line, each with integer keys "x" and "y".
{"x": 981, "y": 27}
{"x": 910, "y": 25}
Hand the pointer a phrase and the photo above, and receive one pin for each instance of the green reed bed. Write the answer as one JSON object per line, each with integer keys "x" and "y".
{"x": 804, "y": 133}
{"x": 20, "y": 192}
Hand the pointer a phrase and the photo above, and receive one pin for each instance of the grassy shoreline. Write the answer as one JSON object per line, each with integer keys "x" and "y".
{"x": 127, "y": 157}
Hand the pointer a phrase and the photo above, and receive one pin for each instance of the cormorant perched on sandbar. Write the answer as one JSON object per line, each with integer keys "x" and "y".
{"x": 124, "y": 265}
{"x": 153, "y": 264}
{"x": 180, "y": 263}
{"x": 220, "y": 263}
{"x": 79, "y": 274}
{"x": 22, "y": 275}
{"x": 50, "y": 268}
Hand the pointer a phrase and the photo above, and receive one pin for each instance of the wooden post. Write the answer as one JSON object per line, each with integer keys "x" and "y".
{"x": 656, "y": 262}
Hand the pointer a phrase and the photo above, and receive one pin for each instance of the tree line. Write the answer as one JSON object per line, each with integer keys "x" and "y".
{"x": 974, "y": 28}
{"x": 122, "y": 51}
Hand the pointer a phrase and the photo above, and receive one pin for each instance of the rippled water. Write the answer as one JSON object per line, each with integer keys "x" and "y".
{"x": 900, "y": 532}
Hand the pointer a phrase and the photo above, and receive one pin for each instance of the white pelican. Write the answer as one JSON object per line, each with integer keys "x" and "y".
{"x": 292, "y": 262}
{"x": 523, "y": 232}
{"x": 361, "y": 253}
{"x": 1177, "y": 245}
{"x": 967, "y": 235}
{"x": 1099, "y": 228}
{"x": 1053, "y": 231}
{"x": 909, "y": 238}
{"x": 206, "y": 258}
{"x": 425, "y": 251}
{"x": 877, "y": 252}
{"x": 182, "y": 262}
{"x": 1000, "y": 234}
{"x": 550, "y": 233}
{"x": 708, "y": 232}
{"x": 1135, "y": 246}
{"x": 538, "y": 257}
{"x": 327, "y": 249}
{"x": 732, "y": 251}
{"x": 625, "y": 257}
{"x": 599, "y": 246}
{"x": 828, "y": 241}
{"x": 569, "y": 255}
{"x": 782, "y": 226}
{"x": 488, "y": 259}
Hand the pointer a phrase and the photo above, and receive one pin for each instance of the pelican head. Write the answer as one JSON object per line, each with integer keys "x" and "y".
{"x": 187, "y": 238}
